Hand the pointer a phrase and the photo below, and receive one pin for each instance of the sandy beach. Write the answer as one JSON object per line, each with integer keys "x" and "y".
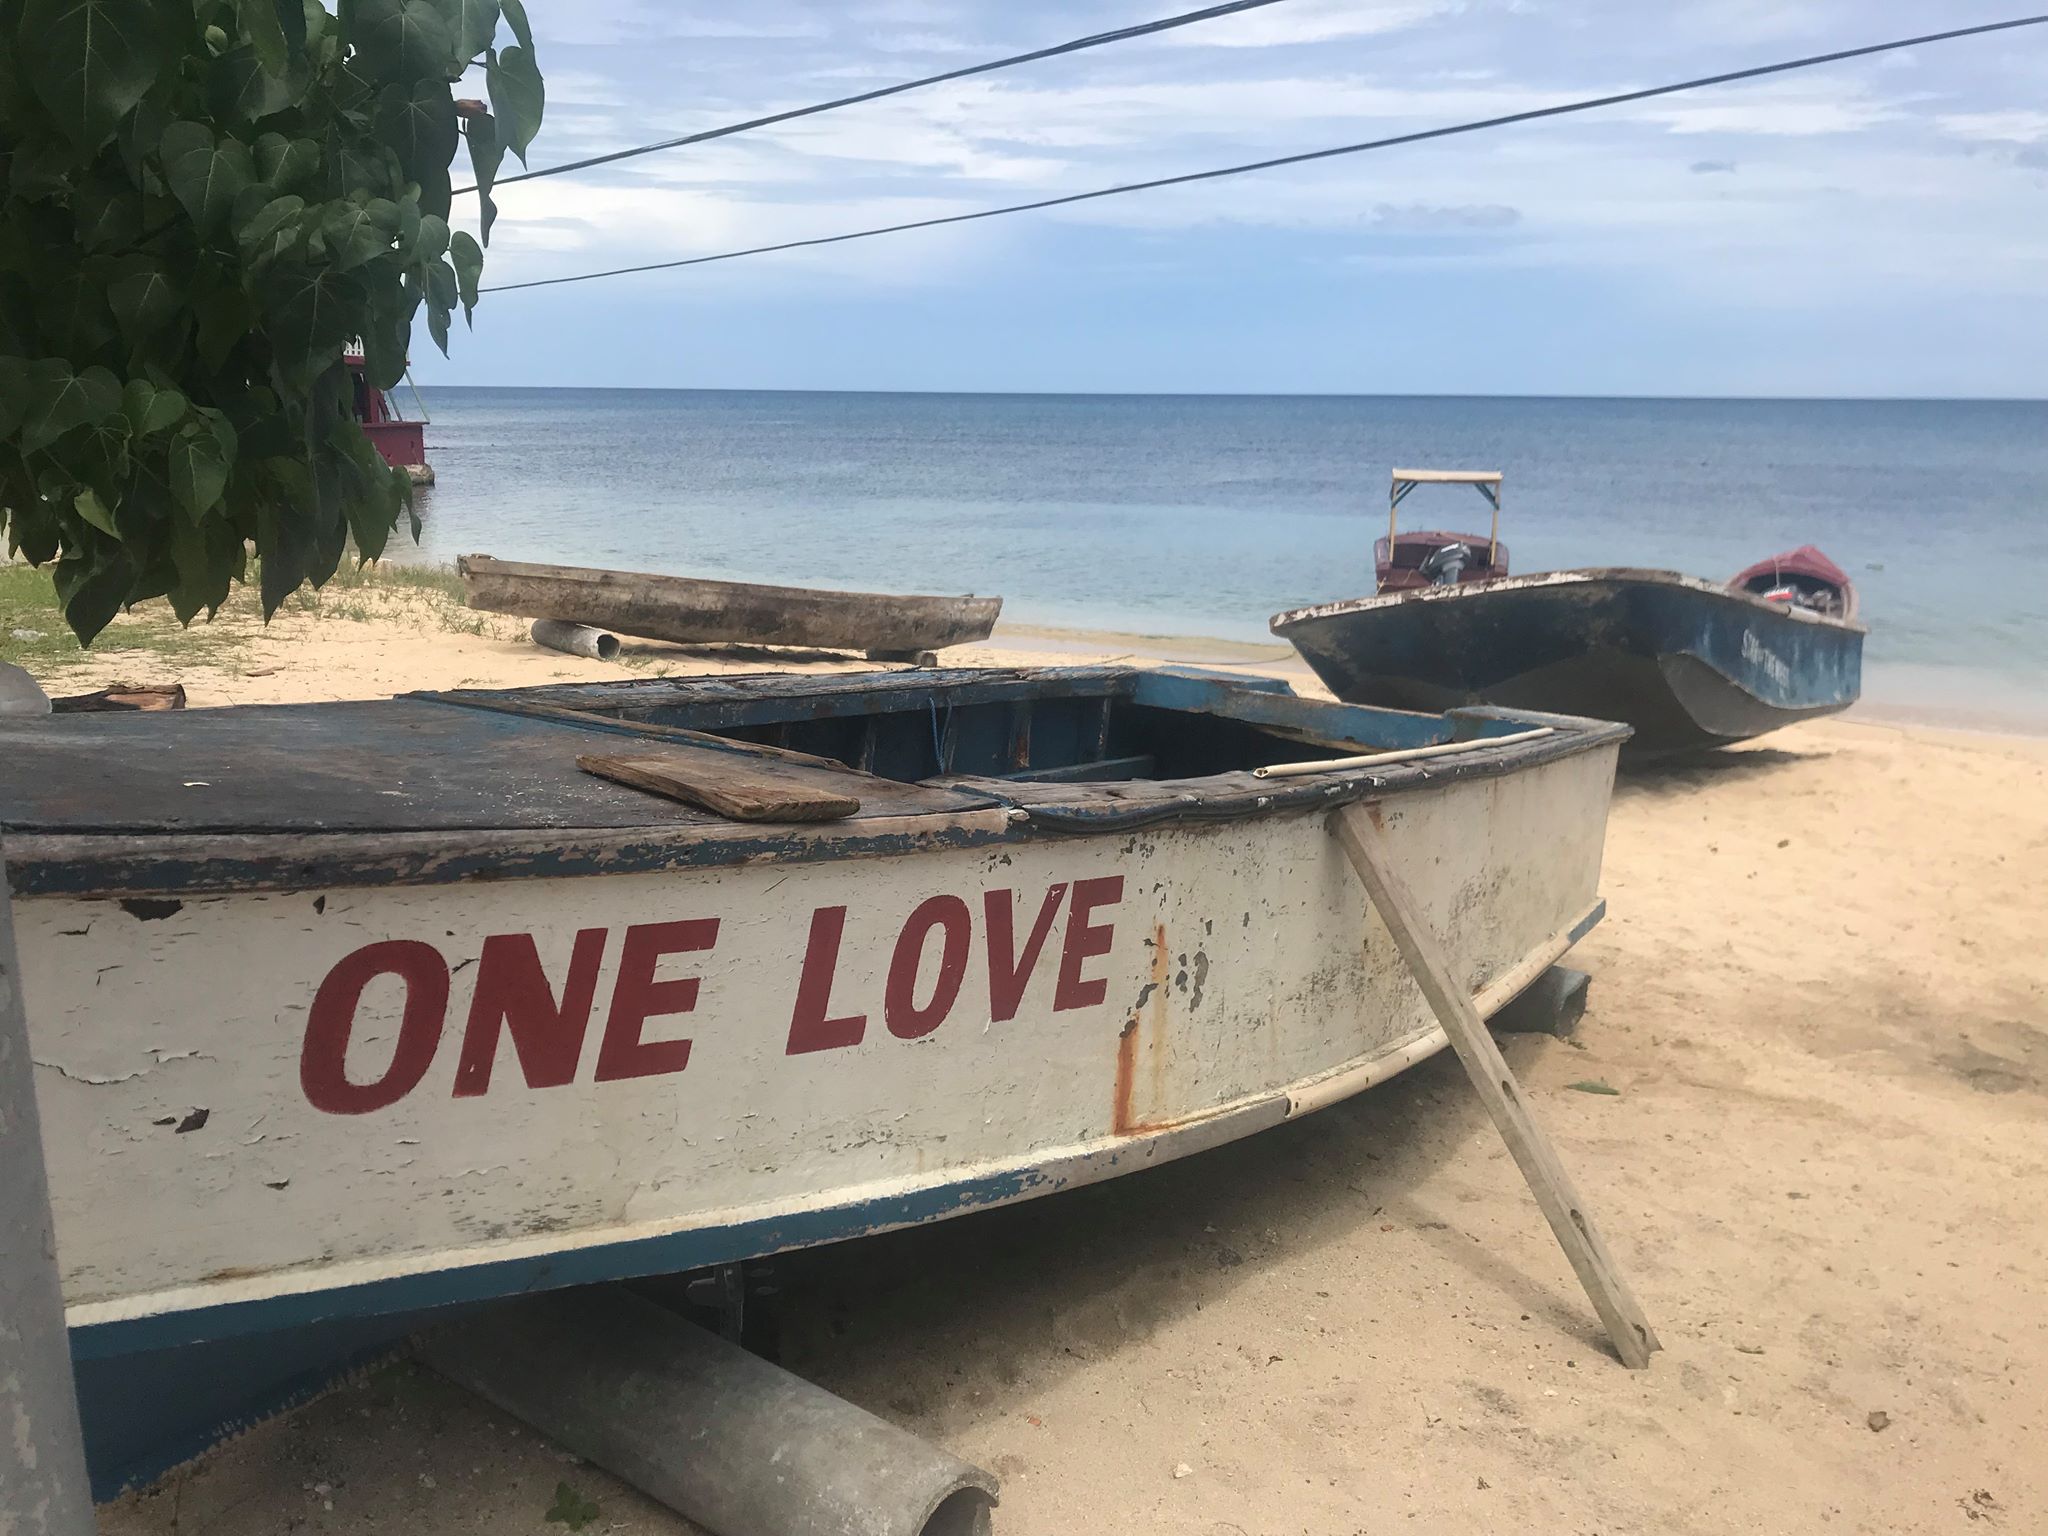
{"x": 1819, "y": 999}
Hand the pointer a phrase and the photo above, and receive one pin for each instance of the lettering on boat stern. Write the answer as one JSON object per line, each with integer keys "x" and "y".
{"x": 913, "y": 982}
{"x": 1774, "y": 666}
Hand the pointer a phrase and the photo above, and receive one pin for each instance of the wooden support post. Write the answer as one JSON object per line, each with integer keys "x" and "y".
{"x": 1366, "y": 848}
{"x": 43, "y": 1489}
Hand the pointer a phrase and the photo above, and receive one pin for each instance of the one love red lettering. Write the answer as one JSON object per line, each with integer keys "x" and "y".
{"x": 547, "y": 1025}
{"x": 1012, "y": 952}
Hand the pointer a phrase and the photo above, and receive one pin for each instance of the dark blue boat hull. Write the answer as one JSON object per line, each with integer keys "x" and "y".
{"x": 1689, "y": 665}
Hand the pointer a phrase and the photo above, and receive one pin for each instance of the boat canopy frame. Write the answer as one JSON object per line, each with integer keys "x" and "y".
{"x": 1486, "y": 481}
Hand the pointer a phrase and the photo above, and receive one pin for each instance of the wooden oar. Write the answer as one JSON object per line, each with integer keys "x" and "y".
{"x": 1366, "y": 847}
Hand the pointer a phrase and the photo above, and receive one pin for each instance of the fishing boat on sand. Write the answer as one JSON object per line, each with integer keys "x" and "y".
{"x": 692, "y": 611}
{"x": 1689, "y": 664}
{"x": 355, "y": 1009}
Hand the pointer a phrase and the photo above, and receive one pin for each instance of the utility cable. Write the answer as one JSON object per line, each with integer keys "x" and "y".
{"x": 1096, "y": 40}
{"x": 1560, "y": 110}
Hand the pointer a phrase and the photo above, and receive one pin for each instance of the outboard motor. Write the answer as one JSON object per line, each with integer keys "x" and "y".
{"x": 1445, "y": 565}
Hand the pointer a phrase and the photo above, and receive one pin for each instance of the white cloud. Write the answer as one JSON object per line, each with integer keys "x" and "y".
{"x": 1313, "y": 21}
{"x": 2024, "y": 127}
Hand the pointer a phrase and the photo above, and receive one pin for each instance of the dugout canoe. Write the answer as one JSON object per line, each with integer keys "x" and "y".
{"x": 356, "y": 1009}
{"x": 1688, "y": 664}
{"x": 688, "y": 610}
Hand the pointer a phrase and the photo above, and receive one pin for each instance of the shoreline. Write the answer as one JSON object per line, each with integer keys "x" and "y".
{"x": 387, "y": 608}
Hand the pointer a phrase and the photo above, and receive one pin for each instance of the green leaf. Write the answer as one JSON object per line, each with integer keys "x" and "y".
{"x": 292, "y": 18}
{"x": 263, "y": 24}
{"x": 91, "y": 590}
{"x": 41, "y": 168}
{"x": 13, "y": 393}
{"x": 384, "y": 348}
{"x": 442, "y": 287}
{"x": 204, "y": 174}
{"x": 518, "y": 97}
{"x": 433, "y": 240}
{"x": 469, "y": 265}
{"x": 150, "y": 410}
{"x": 263, "y": 225}
{"x": 371, "y": 496}
{"x": 139, "y": 137}
{"x": 400, "y": 39}
{"x": 109, "y": 213}
{"x": 201, "y": 454}
{"x": 72, "y": 310}
{"x": 241, "y": 90}
{"x": 418, "y": 121}
{"x": 476, "y": 23}
{"x": 515, "y": 13}
{"x": 408, "y": 228}
{"x": 143, "y": 298}
{"x": 286, "y": 164}
{"x": 57, "y": 400}
{"x": 90, "y": 60}
{"x": 311, "y": 313}
{"x": 486, "y": 154}
{"x": 355, "y": 234}
{"x": 88, "y": 506}
{"x": 571, "y": 1509}
{"x": 225, "y": 317}
{"x": 1594, "y": 1085}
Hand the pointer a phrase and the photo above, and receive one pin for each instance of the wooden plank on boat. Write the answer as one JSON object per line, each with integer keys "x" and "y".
{"x": 740, "y": 788}
{"x": 691, "y": 611}
{"x": 1419, "y": 946}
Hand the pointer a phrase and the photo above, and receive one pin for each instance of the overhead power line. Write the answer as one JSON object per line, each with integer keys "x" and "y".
{"x": 1097, "y": 40}
{"x": 1560, "y": 110}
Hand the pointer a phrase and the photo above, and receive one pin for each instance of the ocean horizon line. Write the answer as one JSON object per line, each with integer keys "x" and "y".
{"x": 1192, "y": 394}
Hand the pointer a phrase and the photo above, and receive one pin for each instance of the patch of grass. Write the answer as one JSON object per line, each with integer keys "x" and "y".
{"x": 464, "y": 621}
{"x": 388, "y": 575}
{"x": 32, "y": 629}
{"x": 33, "y": 633}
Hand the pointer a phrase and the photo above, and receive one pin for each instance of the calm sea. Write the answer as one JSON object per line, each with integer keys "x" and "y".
{"x": 1203, "y": 515}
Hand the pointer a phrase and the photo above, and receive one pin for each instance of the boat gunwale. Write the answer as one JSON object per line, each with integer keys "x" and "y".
{"x": 115, "y": 863}
{"x": 1295, "y": 618}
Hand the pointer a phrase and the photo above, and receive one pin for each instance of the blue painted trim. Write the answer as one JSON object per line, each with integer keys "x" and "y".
{"x": 1362, "y": 724}
{"x": 1588, "y": 923}
{"x": 668, "y": 1254}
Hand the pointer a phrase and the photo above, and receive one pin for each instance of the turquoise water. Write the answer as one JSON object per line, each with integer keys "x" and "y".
{"x": 1204, "y": 515}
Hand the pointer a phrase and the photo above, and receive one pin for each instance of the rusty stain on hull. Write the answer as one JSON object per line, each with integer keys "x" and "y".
{"x": 1124, "y": 1120}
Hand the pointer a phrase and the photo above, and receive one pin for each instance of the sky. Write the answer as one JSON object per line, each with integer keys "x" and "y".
{"x": 1878, "y": 227}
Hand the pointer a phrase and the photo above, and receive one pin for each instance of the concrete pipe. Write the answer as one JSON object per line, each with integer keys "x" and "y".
{"x": 576, "y": 639}
{"x": 722, "y": 1437}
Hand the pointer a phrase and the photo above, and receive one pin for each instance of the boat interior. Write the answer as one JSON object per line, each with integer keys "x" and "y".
{"x": 1801, "y": 589}
{"x": 1066, "y": 725}
{"x": 1436, "y": 558}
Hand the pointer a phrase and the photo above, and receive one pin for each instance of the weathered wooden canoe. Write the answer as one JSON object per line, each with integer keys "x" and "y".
{"x": 689, "y": 611}
{"x": 1687, "y": 664}
{"x": 362, "y": 1008}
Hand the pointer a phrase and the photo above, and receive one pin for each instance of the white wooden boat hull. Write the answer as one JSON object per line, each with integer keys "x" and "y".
{"x": 265, "y": 1108}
